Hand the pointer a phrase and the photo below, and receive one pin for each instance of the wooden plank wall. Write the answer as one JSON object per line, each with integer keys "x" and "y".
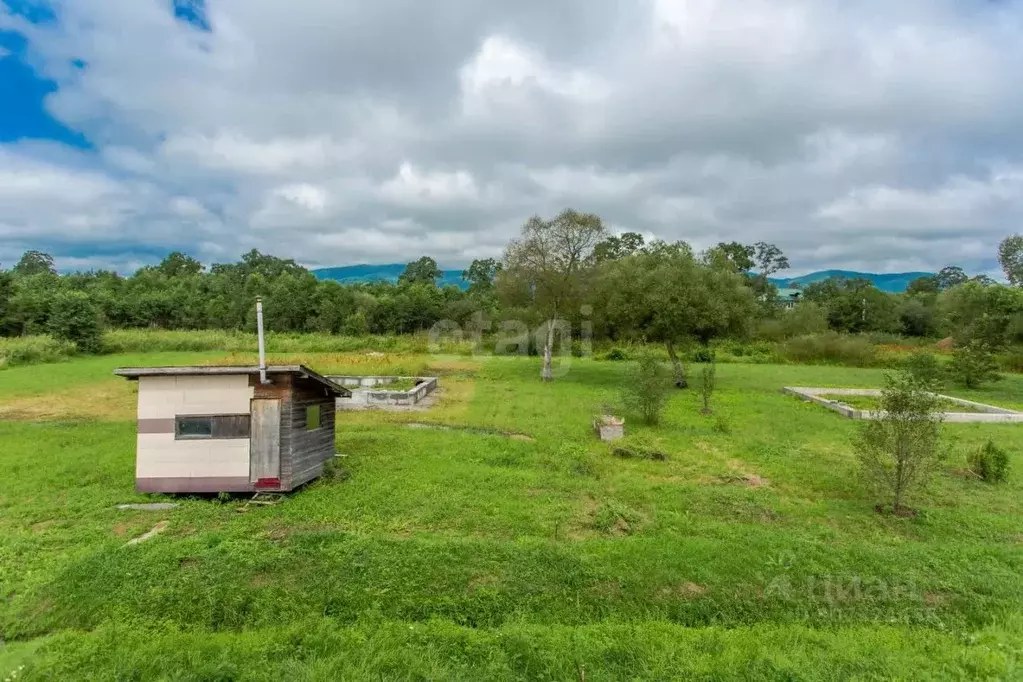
{"x": 309, "y": 450}
{"x": 303, "y": 453}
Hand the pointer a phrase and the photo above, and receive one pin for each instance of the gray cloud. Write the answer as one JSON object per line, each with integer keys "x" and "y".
{"x": 866, "y": 135}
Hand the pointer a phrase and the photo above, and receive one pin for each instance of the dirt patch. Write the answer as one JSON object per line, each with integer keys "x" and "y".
{"x": 150, "y": 534}
{"x": 187, "y": 563}
{"x": 607, "y": 588}
{"x": 483, "y": 582}
{"x": 260, "y": 579}
{"x": 43, "y": 526}
{"x": 277, "y": 533}
{"x": 121, "y": 528}
{"x": 946, "y": 344}
{"x": 686, "y": 590}
{"x": 901, "y": 512}
{"x": 107, "y": 400}
{"x": 743, "y": 478}
{"x": 936, "y": 598}
{"x": 480, "y": 431}
{"x": 454, "y": 366}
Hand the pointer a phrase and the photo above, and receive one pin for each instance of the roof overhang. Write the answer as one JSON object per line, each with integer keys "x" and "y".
{"x": 133, "y": 373}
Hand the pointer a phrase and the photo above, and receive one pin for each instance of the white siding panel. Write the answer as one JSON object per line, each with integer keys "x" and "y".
{"x": 165, "y": 397}
{"x": 160, "y": 456}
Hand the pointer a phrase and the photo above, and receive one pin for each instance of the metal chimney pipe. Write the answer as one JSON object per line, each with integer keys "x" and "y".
{"x": 262, "y": 347}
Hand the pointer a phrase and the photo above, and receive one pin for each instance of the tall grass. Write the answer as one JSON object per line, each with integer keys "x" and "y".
{"x": 148, "y": 340}
{"x": 830, "y": 348}
{"x": 30, "y": 350}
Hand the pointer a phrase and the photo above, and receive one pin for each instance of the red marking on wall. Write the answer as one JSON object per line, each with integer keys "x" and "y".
{"x": 264, "y": 483}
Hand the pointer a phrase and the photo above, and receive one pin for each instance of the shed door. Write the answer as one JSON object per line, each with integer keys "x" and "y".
{"x": 265, "y": 443}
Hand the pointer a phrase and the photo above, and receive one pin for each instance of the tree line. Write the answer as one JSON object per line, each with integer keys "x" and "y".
{"x": 564, "y": 270}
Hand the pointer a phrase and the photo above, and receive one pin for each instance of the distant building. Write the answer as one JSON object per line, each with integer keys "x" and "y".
{"x": 222, "y": 429}
{"x": 789, "y": 297}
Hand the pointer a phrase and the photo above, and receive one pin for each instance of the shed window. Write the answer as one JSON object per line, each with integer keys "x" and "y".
{"x": 312, "y": 417}
{"x": 219, "y": 426}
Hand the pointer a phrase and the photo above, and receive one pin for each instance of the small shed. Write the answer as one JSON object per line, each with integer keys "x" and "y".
{"x": 232, "y": 429}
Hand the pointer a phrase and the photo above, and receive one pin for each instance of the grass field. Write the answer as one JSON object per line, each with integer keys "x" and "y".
{"x": 868, "y": 402}
{"x": 510, "y": 545}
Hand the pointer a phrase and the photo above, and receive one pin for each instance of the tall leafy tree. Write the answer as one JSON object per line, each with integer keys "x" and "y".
{"x": 666, "y": 294}
{"x": 6, "y": 292}
{"x": 35, "y": 263}
{"x": 1010, "y": 256}
{"x": 950, "y": 276}
{"x": 177, "y": 264}
{"x": 550, "y": 260}
{"x": 481, "y": 274}
{"x": 617, "y": 246}
{"x": 422, "y": 271}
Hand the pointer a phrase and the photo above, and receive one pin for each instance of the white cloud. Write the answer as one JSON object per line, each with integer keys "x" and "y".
{"x": 412, "y": 186}
{"x": 871, "y": 134}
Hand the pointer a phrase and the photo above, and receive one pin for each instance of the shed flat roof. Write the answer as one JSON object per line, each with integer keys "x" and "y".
{"x": 222, "y": 370}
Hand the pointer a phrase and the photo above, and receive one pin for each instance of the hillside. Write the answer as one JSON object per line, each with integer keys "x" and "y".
{"x": 351, "y": 274}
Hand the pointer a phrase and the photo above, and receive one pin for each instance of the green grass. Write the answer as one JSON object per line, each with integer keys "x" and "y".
{"x": 869, "y": 402}
{"x": 751, "y": 553}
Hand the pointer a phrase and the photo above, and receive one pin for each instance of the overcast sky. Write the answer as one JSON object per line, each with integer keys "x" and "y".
{"x": 872, "y": 135}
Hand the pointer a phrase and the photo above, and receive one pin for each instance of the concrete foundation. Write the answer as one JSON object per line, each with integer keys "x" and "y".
{"x": 986, "y": 413}
{"x": 371, "y": 392}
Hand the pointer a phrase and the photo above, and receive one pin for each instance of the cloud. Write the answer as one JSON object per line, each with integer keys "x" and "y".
{"x": 873, "y": 135}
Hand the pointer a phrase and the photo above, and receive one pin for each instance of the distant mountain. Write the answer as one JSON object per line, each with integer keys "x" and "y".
{"x": 894, "y": 282}
{"x": 353, "y": 274}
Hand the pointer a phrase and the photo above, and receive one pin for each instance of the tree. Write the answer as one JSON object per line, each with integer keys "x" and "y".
{"x": 6, "y": 292}
{"x": 975, "y": 313}
{"x": 73, "y": 317}
{"x": 617, "y": 246}
{"x": 422, "y": 271}
{"x": 900, "y": 451}
{"x": 854, "y": 305}
{"x": 1010, "y": 257}
{"x": 923, "y": 286}
{"x": 731, "y": 255}
{"x": 665, "y": 294}
{"x": 768, "y": 259}
{"x": 481, "y": 275}
{"x": 950, "y": 276}
{"x": 177, "y": 264}
{"x": 646, "y": 388}
{"x": 550, "y": 259}
{"x": 973, "y": 364}
{"x": 917, "y": 317}
{"x": 35, "y": 263}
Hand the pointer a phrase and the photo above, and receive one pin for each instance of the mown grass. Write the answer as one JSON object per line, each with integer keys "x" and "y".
{"x": 751, "y": 553}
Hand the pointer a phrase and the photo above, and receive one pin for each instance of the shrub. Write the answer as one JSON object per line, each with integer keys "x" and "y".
{"x": 616, "y": 518}
{"x": 74, "y": 318}
{"x": 804, "y": 319}
{"x": 926, "y": 371}
{"x": 771, "y": 330}
{"x": 647, "y": 385}
{"x": 638, "y": 448}
{"x": 703, "y": 354}
{"x": 708, "y": 379}
{"x": 990, "y": 463}
{"x": 616, "y": 355}
{"x": 722, "y": 425}
{"x": 900, "y": 451}
{"x": 30, "y": 350}
{"x": 830, "y": 348}
{"x": 1012, "y": 360}
{"x": 973, "y": 365}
